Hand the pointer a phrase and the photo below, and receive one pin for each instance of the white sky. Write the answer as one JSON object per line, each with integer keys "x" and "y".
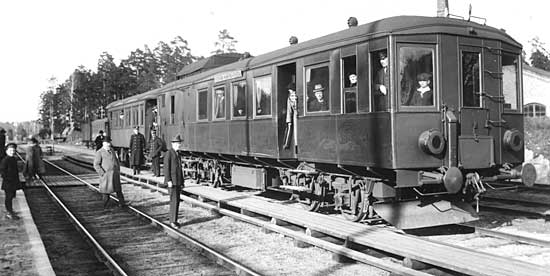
{"x": 44, "y": 38}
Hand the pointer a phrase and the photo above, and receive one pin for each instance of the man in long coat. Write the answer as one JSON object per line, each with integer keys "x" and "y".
{"x": 137, "y": 146}
{"x": 107, "y": 166}
{"x": 33, "y": 161}
{"x": 156, "y": 147}
{"x": 10, "y": 179}
{"x": 173, "y": 177}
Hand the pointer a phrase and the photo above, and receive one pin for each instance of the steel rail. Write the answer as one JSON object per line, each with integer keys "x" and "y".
{"x": 239, "y": 268}
{"x": 111, "y": 261}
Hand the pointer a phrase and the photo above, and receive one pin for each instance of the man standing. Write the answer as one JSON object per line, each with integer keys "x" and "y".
{"x": 107, "y": 166}
{"x": 99, "y": 140}
{"x": 173, "y": 177}
{"x": 137, "y": 146}
{"x": 2, "y": 143}
{"x": 382, "y": 83}
{"x": 156, "y": 146}
{"x": 10, "y": 179}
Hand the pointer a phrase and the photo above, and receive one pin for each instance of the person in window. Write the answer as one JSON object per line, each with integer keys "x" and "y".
{"x": 220, "y": 104}
{"x": 423, "y": 95}
{"x": 349, "y": 94}
{"x": 239, "y": 104}
{"x": 319, "y": 103}
{"x": 352, "y": 80}
{"x": 263, "y": 102}
{"x": 382, "y": 83}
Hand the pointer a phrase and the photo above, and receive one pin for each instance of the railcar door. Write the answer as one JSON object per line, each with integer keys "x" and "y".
{"x": 481, "y": 106}
{"x": 287, "y": 114}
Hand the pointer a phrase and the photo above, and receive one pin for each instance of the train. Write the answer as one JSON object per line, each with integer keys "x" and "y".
{"x": 404, "y": 119}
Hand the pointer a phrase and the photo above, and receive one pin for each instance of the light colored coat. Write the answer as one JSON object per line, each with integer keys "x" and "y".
{"x": 33, "y": 164}
{"x": 107, "y": 166}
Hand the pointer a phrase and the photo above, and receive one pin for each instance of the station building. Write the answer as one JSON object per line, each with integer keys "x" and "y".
{"x": 536, "y": 91}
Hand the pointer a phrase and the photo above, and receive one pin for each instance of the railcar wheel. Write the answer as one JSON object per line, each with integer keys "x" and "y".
{"x": 354, "y": 211}
{"x": 309, "y": 204}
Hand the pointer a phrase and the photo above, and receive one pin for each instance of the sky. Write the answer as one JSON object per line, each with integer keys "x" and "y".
{"x": 42, "y": 39}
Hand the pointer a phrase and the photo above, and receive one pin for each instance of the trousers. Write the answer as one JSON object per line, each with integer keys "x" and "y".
{"x": 106, "y": 198}
{"x": 174, "y": 203}
{"x": 8, "y": 201}
{"x": 156, "y": 165}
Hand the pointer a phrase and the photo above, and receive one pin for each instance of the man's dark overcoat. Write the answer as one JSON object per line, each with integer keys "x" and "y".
{"x": 137, "y": 145}
{"x": 10, "y": 174}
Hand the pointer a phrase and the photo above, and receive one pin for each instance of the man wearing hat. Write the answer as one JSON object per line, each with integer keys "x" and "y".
{"x": 107, "y": 166}
{"x": 99, "y": 140}
{"x": 382, "y": 83}
{"x": 10, "y": 179}
{"x": 156, "y": 147}
{"x": 319, "y": 103}
{"x": 137, "y": 146}
{"x": 173, "y": 177}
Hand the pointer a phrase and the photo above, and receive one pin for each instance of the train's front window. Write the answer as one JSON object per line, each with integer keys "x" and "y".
{"x": 202, "y": 105}
{"x": 416, "y": 78}
{"x": 471, "y": 85}
{"x": 510, "y": 75}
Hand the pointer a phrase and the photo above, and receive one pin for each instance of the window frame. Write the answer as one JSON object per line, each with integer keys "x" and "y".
{"x": 305, "y": 91}
{"x": 434, "y": 82}
{"x": 232, "y": 87}
{"x": 517, "y": 81}
{"x": 479, "y": 51}
{"x": 343, "y": 89}
{"x": 172, "y": 109}
{"x": 214, "y": 117}
{"x": 254, "y": 95}
{"x": 202, "y": 90}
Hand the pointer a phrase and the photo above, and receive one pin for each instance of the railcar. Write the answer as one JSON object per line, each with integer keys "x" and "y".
{"x": 433, "y": 111}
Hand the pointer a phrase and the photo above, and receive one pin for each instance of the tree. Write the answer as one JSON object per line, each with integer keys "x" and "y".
{"x": 539, "y": 55}
{"x": 225, "y": 44}
{"x": 21, "y": 132}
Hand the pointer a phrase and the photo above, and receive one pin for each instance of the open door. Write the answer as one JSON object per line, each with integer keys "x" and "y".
{"x": 287, "y": 113}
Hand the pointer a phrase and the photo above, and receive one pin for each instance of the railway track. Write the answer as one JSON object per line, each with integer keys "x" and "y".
{"x": 127, "y": 240}
{"x": 318, "y": 239}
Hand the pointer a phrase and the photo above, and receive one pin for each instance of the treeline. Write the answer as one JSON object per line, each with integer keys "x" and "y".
{"x": 84, "y": 95}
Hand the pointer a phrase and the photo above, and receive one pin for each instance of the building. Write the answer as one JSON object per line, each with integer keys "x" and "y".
{"x": 536, "y": 91}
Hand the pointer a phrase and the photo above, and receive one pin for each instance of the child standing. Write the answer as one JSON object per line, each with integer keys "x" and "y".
{"x": 10, "y": 178}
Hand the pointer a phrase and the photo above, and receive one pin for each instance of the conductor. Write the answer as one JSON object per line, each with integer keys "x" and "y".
{"x": 173, "y": 177}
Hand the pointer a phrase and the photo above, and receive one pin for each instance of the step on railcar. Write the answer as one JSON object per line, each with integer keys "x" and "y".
{"x": 432, "y": 111}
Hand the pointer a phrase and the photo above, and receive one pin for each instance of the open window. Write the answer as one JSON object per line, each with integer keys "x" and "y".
{"x": 349, "y": 81}
{"x": 262, "y": 96}
{"x": 202, "y": 101}
{"x": 416, "y": 76}
{"x": 219, "y": 103}
{"x": 510, "y": 77}
{"x": 317, "y": 88}
{"x": 380, "y": 68}
{"x": 471, "y": 79}
{"x": 238, "y": 99}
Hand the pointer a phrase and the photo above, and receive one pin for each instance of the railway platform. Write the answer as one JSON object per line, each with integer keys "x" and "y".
{"x": 21, "y": 248}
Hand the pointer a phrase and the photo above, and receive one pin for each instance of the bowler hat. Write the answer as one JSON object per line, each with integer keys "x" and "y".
{"x": 107, "y": 139}
{"x": 382, "y": 55}
{"x": 423, "y": 77}
{"x": 11, "y": 145}
{"x": 176, "y": 138}
{"x": 318, "y": 88}
{"x": 291, "y": 86}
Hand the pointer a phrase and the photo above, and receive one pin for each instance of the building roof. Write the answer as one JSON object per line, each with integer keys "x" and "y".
{"x": 534, "y": 70}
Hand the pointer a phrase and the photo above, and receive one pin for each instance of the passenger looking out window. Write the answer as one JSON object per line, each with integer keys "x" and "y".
{"x": 381, "y": 80}
{"x": 349, "y": 79}
{"x": 318, "y": 93}
{"x": 239, "y": 99}
{"x": 415, "y": 76}
{"x": 219, "y": 103}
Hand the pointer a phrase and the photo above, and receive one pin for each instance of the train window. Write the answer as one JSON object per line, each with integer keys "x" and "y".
{"x": 127, "y": 117}
{"x": 262, "y": 96}
{"x": 163, "y": 100}
{"x": 349, "y": 80}
{"x": 510, "y": 75}
{"x": 219, "y": 102}
{"x": 416, "y": 80}
{"x": 317, "y": 88}
{"x": 141, "y": 114}
{"x": 238, "y": 99}
{"x": 381, "y": 79}
{"x": 471, "y": 84}
{"x": 172, "y": 109}
{"x": 202, "y": 105}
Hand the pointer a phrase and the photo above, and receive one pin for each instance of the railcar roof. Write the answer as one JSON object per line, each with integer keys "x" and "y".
{"x": 151, "y": 94}
{"x": 398, "y": 25}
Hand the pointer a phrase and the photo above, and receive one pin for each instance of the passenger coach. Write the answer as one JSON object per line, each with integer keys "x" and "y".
{"x": 435, "y": 111}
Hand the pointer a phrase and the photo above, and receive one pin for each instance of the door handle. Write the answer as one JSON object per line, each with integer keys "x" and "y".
{"x": 498, "y": 99}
